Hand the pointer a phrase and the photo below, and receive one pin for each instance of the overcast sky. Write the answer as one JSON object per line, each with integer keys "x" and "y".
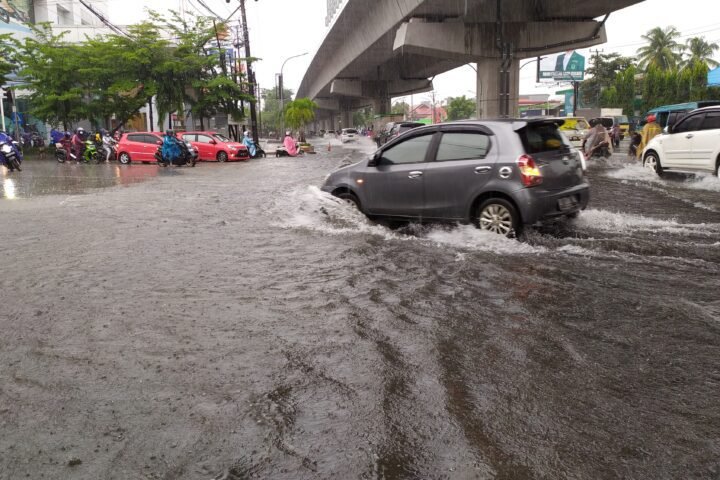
{"x": 282, "y": 28}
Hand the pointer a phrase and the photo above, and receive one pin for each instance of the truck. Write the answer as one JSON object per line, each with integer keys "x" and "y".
{"x": 616, "y": 114}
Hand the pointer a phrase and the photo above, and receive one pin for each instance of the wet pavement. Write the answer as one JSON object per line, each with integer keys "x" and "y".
{"x": 231, "y": 321}
{"x": 45, "y": 177}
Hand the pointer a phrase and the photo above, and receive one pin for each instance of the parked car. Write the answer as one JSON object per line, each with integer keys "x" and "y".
{"x": 138, "y": 147}
{"x": 348, "y": 135}
{"x": 692, "y": 144}
{"x": 141, "y": 147}
{"x": 498, "y": 174}
{"x": 213, "y": 146}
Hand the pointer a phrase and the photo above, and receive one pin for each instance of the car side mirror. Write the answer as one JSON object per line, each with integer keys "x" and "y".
{"x": 667, "y": 129}
{"x": 374, "y": 159}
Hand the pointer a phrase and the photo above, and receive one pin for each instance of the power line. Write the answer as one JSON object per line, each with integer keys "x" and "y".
{"x": 103, "y": 19}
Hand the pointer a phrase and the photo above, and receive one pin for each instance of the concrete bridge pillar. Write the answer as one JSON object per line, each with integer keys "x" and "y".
{"x": 489, "y": 87}
{"x": 347, "y": 118}
{"x": 381, "y": 105}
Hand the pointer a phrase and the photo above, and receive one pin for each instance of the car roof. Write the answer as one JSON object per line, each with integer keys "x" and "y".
{"x": 706, "y": 109}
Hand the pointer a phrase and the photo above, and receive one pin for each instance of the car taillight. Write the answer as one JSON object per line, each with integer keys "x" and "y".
{"x": 529, "y": 172}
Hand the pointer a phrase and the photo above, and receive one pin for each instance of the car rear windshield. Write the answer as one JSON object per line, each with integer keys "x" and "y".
{"x": 542, "y": 137}
{"x": 350, "y": 130}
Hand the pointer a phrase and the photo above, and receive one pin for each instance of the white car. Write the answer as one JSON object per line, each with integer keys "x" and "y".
{"x": 692, "y": 144}
{"x": 348, "y": 135}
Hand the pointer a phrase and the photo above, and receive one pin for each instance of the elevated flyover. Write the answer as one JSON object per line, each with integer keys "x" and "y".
{"x": 386, "y": 48}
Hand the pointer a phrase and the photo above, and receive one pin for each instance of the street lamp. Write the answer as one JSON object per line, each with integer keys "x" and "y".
{"x": 282, "y": 94}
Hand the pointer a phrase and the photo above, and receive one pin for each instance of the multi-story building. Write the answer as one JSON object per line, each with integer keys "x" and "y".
{"x": 73, "y": 17}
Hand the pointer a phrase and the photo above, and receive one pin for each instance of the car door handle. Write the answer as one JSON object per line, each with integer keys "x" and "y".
{"x": 415, "y": 174}
{"x": 689, "y": 135}
{"x": 482, "y": 169}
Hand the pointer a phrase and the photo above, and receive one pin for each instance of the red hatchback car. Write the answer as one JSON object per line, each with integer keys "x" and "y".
{"x": 213, "y": 146}
{"x": 138, "y": 147}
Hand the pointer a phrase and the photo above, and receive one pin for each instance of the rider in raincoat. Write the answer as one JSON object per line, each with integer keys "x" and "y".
{"x": 289, "y": 144}
{"x": 170, "y": 147}
{"x": 248, "y": 142}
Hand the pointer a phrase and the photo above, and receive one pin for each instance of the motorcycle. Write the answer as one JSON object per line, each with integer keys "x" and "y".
{"x": 601, "y": 150}
{"x": 281, "y": 151}
{"x": 10, "y": 155}
{"x": 187, "y": 156}
{"x": 258, "y": 150}
{"x": 62, "y": 154}
{"x": 91, "y": 153}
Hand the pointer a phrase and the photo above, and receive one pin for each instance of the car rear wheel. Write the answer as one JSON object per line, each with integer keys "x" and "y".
{"x": 652, "y": 162}
{"x": 717, "y": 168}
{"x": 350, "y": 199}
{"x": 124, "y": 158}
{"x": 499, "y": 216}
{"x": 222, "y": 157}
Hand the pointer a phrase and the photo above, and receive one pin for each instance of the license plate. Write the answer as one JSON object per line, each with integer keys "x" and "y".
{"x": 566, "y": 203}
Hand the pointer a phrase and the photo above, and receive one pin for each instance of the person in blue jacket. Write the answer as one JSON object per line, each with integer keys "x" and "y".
{"x": 170, "y": 147}
{"x": 248, "y": 142}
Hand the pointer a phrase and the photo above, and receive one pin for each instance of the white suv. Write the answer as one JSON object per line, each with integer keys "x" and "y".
{"x": 348, "y": 135}
{"x": 693, "y": 143}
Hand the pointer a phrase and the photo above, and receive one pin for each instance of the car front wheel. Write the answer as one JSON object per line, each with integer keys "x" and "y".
{"x": 499, "y": 216}
{"x": 350, "y": 199}
{"x": 652, "y": 162}
{"x": 222, "y": 157}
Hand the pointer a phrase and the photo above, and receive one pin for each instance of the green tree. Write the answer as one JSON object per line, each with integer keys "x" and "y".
{"x": 7, "y": 55}
{"x": 299, "y": 113}
{"x": 400, "y": 108}
{"x": 271, "y": 117}
{"x": 363, "y": 116}
{"x": 51, "y": 69}
{"x": 602, "y": 74}
{"x": 662, "y": 50}
{"x": 701, "y": 51}
{"x": 460, "y": 108}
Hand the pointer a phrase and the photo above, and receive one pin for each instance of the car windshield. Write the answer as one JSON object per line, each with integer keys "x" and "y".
{"x": 222, "y": 138}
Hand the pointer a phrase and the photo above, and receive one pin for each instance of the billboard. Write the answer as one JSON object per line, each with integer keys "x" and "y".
{"x": 565, "y": 67}
{"x": 14, "y": 15}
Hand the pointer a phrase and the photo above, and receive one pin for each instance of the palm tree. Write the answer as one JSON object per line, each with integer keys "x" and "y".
{"x": 299, "y": 113}
{"x": 701, "y": 51}
{"x": 663, "y": 50}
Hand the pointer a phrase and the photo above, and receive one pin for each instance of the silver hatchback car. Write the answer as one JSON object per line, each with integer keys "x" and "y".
{"x": 498, "y": 174}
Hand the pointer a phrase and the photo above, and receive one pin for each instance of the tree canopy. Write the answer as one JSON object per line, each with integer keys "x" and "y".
{"x": 460, "y": 108}
{"x": 179, "y": 63}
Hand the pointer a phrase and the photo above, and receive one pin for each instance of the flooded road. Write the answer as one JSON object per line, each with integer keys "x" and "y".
{"x": 41, "y": 177}
{"x": 231, "y": 321}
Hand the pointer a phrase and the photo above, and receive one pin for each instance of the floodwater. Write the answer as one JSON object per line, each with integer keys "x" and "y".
{"x": 232, "y": 321}
{"x": 47, "y": 177}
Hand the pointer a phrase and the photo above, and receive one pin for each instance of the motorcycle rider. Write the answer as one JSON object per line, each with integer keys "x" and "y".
{"x": 289, "y": 144}
{"x": 66, "y": 143}
{"x": 170, "y": 147}
{"x": 78, "y": 144}
{"x": 107, "y": 144}
{"x": 596, "y": 138}
{"x": 248, "y": 142}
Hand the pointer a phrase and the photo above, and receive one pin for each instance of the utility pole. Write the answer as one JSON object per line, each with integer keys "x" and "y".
{"x": 595, "y": 64}
{"x": 250, "y": 73}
